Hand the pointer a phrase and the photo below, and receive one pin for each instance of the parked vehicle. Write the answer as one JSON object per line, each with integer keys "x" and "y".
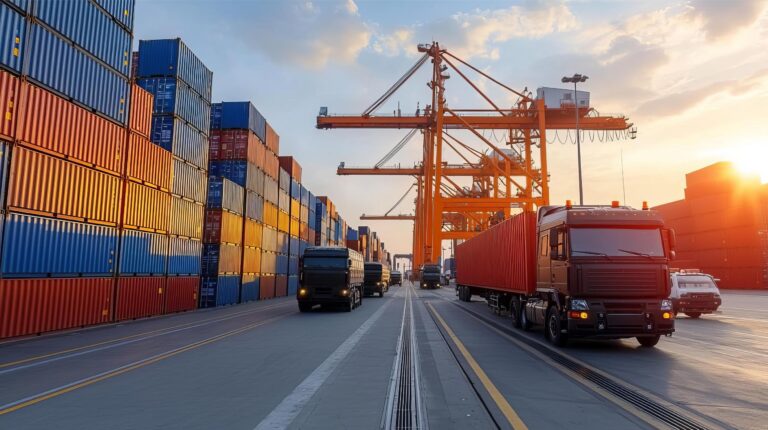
{"x": 330, "y": 276}
{"x": 396, "y": 278}
{"x": 694, "y": 293}
{"x": 376, "y": 279}
{"x": 431, "y": 276}
{"x": 449, "y": 268}
{"x": 587, "y": 271}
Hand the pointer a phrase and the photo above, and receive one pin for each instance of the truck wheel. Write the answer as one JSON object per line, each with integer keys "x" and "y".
{"x": 514, "y": 312}
{"x": 649, "y": 341}
{"x": 305, "y": 307}
{"x": 553, "y": 327}
{"x": 349, "y": 305}
{"x": 525, "y": 324}
{"x": 693, "y": 315}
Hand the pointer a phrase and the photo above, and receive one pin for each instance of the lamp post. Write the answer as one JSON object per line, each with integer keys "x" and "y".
{"x": 576, "y": 79}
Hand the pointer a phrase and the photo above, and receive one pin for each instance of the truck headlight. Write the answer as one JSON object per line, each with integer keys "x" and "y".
{"x": 303, "y": 292}
{"x": 344, "y": 292}
{"x": 666, "y": 305}
{"x": 579, "y": 305}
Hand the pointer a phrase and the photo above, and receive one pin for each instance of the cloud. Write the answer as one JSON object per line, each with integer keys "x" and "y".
{"x": 721, "y": 18}
{"x": 312, "y": 34}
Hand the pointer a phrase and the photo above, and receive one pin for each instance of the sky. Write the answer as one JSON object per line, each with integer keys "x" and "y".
{"x": 691, "y": 75}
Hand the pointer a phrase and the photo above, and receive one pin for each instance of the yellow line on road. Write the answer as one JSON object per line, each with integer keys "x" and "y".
{"x": 512, "y": 417}
{"x": 138, "y": 365}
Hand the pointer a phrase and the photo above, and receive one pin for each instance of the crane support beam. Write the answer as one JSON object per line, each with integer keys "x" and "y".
{"x": 418, "y": 171}
{"x": 401, "y": 217}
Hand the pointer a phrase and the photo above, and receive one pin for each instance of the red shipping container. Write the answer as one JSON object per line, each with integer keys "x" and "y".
{"x": 181, "y": 293}
{"x": 57, "y": 126}
{"x": 353, "y": 244}
{"x": 267, "y": 287}
{"x": 222, "y": 227}
{"x": 281, "y": 285}
{"x": 140, "y": 115}
{"x": 239, "y": 145}
{"x": 139, "y": 297}
{"x": 502, "y": 257}
{"x": 290, "y": 165}
{"x": 273, "y": 140}
{"x": 41, "y": 184}
{"x": 146, "y": 208}
{"x": 9, "y": 96}
{"x": 148, "y": 163}
{"x": 31, "y": 306}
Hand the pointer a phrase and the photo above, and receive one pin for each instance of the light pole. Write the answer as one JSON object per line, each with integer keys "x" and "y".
{"x": 576, "y": 79}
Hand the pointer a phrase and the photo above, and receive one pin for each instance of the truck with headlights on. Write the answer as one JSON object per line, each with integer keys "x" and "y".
{"x": 330, "y": 276}
{"x": 376, "y": 279}
{"x": 578, "y": 271}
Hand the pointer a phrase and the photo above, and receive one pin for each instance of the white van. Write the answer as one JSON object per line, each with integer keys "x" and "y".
{"x": 694, "y": 293}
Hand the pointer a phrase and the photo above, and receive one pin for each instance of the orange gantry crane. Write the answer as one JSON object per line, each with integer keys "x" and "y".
{"x": 456, "y": 201}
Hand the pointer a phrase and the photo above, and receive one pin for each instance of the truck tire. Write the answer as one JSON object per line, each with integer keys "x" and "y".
{"x": 553, "y": 327}
{"x": 514, "y": 312}
{"x": 349, "y": 305}
{"x": 381, "y": 293}
{"x": 693, "y": 315}
{"x": 525, "y": 323}
{"x": 305, "y": 307}
{"x": 649, "y": 341}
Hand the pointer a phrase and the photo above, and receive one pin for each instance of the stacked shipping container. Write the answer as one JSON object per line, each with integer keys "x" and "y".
{"x": 298, "y": 214}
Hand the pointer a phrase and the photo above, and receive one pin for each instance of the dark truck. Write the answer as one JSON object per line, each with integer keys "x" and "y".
{"x": 330, "y": 276}
{"x": 431, "y": 276}
{"x": 396, "y": 278}
{"x": 586, "y": 271}
{"x": 376, "y": 279}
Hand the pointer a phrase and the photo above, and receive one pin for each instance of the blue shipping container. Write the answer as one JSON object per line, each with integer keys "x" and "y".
{"x": 216, "y": 116}
{"x": 85, "y": 24}
{"x": 225, "y": 194}
{"x": 282, "y": 264}
{"x": 172, "y": 57}
{"x": 249, "y": 290}
{"x": 22, "y": 4}
{"x": 173, "y": 97}
{"x": 294, "y": 246}
{"x": 58, "y": 65}
{"x": 293, "y": 285}
{"x": 293, "y": 266}
{"x": 352, "y": 234}
{"x": 283, "y": 243}
{"x": 35, "y": 246}
{"x": 254, "y": 206}
{"x": 13, "y": 29}
{"x": 303, "y": 245}
{"x": 219, "y": 290}
{"x": 295, "y": 190}
{"x": 188, "y": 181}
{"x": 243, "y": 115}
{"x": 121, "y": 10}
{"x": 184, "y": 256}
{"x": 304, "y": 197}
{"x": 143, "y": 253}
{"x": 183, "y": 140}
{"x": 241, "y": 172}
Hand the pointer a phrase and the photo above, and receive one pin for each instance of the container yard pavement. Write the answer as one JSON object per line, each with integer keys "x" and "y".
{"x": 266, "y": 365}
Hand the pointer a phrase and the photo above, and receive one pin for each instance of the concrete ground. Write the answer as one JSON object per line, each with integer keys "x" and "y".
{"x": 265, "y": 365}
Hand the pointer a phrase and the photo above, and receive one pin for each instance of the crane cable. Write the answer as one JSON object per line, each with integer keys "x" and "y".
{"x": 396, "y": 86}
{"x": 396, "y": 148}
{"x": 400, "y": 201}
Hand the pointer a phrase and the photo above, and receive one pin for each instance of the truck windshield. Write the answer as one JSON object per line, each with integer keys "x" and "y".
{"x": 695, "y": 281}
{"x": 372, "y": 268}
{"x": 325, "y": 263}
{"x": 620, "y": 242}
{"x": 432, "y": 269}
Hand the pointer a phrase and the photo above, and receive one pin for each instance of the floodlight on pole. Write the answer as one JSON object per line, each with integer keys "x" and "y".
{"x": 576, "y": 78}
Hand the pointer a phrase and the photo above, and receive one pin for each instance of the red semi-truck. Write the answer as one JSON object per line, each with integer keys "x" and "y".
{"x": 580, "y": 271}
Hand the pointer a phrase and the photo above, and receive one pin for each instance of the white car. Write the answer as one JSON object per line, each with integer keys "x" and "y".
{"x": 694, "y": 293}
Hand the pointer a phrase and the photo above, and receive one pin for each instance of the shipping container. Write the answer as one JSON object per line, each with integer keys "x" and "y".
{"x": 13, "y": 28}
{"x": 222, "y": 227}
{"x": 281, "y": 267}
{"x": 271, "y": 190}
{"x": 267, "y": 287}
{"x": 143, "y": 253}
{"x": 291, "y": 166}
{"x": 269, "y": 239}
{"x": 220, "y": 258}
{"x": 270, "y": 214}
{"x": 139, "y": 297}
{"x": 281, "y": 285}
{"x": 271, "y": 165}
{"x": 184, "y": 256}
{"x": 172, "y": 57}
{"x": 181, "y": 293}
{"x": 189, "y": 181}
{"x": 251, "y": 260}
{"x": 58, "y": 65}
{"x": 294, "y": 227}
{"x": 237, "y": 145}
{"x": 225, "y": 194}
{"x": 249, "y": 287}
{"x": 268, "y": 262}
{"x": 271, "y": 139}
{"x": 295, "y": 190}
{"x": 174, "y": 98}
{"x": 183, "y": 140}
{"x": 241, "y": 172}
{"x": 219, "y": 290}
{"x": 283, "y": 243}
{"x": 140, "y": 111}
{"x": 254, "y": 206}
{"x": 33, "y": 306}
{"x": 242, "y": 115}
{"x": 293, "y": 285}
{"x": 85, "y": 24}
{"x": 146, "y": 208}
{"x": 187, "y": 218}
{"x": 5, "y": 155}
{"x": 148, "y": 164}
{"x": 35, "y": 246}
{"x": 121, "y": 10}
{"x": 502, "y": 257}
{"x": 9, "y": 97}
{"x": 252, "y": 235}
{"x": 60, "y": 127}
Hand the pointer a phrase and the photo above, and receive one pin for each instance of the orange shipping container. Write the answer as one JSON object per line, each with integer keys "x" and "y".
{"x": 295, "y": 209}
{"x": 146, "y": 208}
{"x": 253, "y": 232}
{"x": 251, "y": 260}
{"x": 51, "y": 186}
{"x": 283, "y": 222}
{"x": 273, "y": 140}
{"x": 261, "y": 155}
{"x": 271, "y": 165}
{"x": 62, "y": 128}
{"x": 223, "y": 227}
{"x": 148, "y": 163}
{"x": 294, "y": 229}
{"x": 270, "y": 214}
{"x": 9, "y": 96}
{"x": 140, "y": 115}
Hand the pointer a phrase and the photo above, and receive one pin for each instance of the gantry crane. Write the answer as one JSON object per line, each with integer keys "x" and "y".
{"x": 501, "y": 178}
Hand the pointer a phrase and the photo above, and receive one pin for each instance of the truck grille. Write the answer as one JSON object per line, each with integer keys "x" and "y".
{"x": 619, "y": 281}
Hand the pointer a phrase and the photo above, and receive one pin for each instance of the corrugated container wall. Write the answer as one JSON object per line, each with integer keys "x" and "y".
{"x": 184, "y": 257}
{"x": 143, "y": 253}
{"x": 12, "y": 34}
{"x": 172, "y": 57}
{"x": 9, "y": 94}
{"x": 181, "y": 293}
{"x": 219, "y": 290}
{"x": 139, "y": 297}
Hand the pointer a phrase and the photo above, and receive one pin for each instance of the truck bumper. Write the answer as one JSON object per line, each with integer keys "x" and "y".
{"x": 616, "y": 326}
{"x": 372, "y": 289}
{"x": 323, "y": 300}
{"x": 686, "y": 304}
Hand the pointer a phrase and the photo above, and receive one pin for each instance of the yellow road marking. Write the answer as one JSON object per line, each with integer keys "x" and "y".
{"x": 512, "y": 417}
{"x": 79, "y": 348}
{"x": 138, "y": 365}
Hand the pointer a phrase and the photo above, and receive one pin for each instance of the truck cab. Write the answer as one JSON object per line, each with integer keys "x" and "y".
{"x": 602, "y": 272}
{"x": 396, "y": 278}
{"x": 330, "y": 276}
{"x": 431, "y": 276}
{"x": 377, "y": 279}
{"x": 694, "y": 293}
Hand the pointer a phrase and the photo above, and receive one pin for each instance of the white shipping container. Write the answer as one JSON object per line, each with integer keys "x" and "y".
{"x": 562, "y": 97}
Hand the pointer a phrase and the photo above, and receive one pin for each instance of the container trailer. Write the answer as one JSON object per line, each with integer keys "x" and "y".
{"x": 581, "y": 271}
{"x": 330, "y": 276}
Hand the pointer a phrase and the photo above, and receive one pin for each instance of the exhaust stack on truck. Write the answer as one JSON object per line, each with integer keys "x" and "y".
{"x": 584, "y": 271}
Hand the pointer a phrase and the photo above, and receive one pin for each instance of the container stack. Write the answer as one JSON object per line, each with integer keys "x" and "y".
{"x": 296, "y": 212}
{"x": 62, "y": 140}
{"x": 311, "y": 219}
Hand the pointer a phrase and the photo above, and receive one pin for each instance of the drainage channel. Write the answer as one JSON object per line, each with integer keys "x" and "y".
{"x": 404, "y": 408}
{"x": 659, "y": 411}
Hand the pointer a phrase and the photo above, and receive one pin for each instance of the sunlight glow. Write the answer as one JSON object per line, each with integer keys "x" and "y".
{"x": 752, "y": 159}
